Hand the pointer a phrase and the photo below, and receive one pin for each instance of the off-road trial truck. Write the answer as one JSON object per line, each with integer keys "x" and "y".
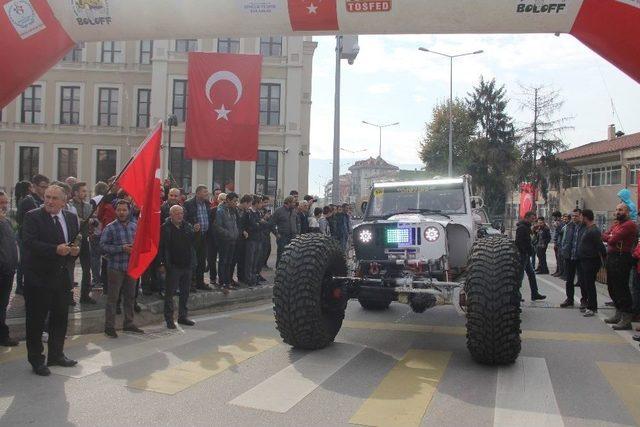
{"x": 421, "y": 243}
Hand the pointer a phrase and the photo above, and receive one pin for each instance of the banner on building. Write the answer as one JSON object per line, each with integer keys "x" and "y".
{"x": 223, "y": 107}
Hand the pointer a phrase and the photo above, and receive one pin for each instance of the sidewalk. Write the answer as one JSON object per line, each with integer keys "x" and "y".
{"x": 89, "y": 318}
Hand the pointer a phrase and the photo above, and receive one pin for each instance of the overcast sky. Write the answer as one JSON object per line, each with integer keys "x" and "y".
{"x": 391, "y": 81}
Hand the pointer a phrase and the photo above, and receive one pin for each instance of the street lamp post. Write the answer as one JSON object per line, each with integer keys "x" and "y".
{"x": 380, "y": 127}
{"x": 172, "y": 121}
{"x": 346, "y": 48}
{"x": 451, "y": 58}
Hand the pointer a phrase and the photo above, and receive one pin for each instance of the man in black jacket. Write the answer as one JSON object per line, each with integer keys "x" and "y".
{"x": 255, "y": 227}
{"x": 544, "y": 238}
{"x": 49, "y": 256}
{"x": 525, "y": 248}
{"x": 177, "y": 258}
{"x": 590, "y": 251}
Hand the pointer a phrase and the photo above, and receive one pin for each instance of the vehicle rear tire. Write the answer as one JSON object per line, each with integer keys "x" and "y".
{"x": 374, "y": 305}
{"x": 493, "y": 302}
{"x": 308, "y": 308}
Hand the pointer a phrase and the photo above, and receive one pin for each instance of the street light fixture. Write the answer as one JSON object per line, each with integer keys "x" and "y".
{"x": 380, "y": 127}
{"x": 451, "y": 58}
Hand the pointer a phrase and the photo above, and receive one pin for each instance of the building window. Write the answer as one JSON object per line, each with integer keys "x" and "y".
{"x": 267, "y": 173}
{"x": 106, "y": 162}
{"x": 180, "y": 169}
{"x": 575, "y": 179}
{"x": 224, "y": 175}
{"x": 111, "y": 53}
{"x": 270, "y": 104}
{"x": 31, "y": 105}
{"x": 29, "y": 163}
{"x": 228, "y": 45}
{"x": 186, "y": 45}
{"x": 143, "y": 111}
{"x": 608, "y": 175}
{"x": 108, "y": 107}
{"x": 271, "y": 46}
{"x": 67, "y": 163}
{"x": 75, "y": 54}
{"x": 146, "y": 51}
{"x": 70, "y": 105}
{"x": 633, "y": 175}
{"x": 180, "y": 100}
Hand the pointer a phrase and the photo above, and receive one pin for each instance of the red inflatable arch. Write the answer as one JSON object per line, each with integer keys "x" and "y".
{"x": 35, "y": 34}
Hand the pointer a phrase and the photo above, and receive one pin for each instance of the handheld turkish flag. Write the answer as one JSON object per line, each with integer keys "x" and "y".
{"x": 313, "y": 15}
{"x": 527, "y": 198}
{"x": 141, "y": 180}
{"x": 223, "y": 106}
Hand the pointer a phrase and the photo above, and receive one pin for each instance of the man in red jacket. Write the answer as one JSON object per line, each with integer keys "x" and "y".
{"x": 621, "y": 238}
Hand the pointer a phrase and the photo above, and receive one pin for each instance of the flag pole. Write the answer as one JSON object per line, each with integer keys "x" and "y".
{"x": 85, "y": 221}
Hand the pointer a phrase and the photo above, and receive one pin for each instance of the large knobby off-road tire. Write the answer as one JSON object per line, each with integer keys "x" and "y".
{"x": 493, "y": 301}
{"x": 308, "y": 308}
{"x": 374, "y": 305}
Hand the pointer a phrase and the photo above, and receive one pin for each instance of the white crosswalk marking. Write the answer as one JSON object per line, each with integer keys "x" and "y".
{"x": 525, "y": 396}
{"x": 287, "y": 388}
{"x": 126, "y": 354}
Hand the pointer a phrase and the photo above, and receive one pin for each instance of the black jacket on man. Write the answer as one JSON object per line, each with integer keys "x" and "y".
{"x": 28, "y": 203}
{"x": 177, "y": 245}
{"x": 42, "y": 267}
{"x": 591, "y": 246}
{"x": 523, "y": 238}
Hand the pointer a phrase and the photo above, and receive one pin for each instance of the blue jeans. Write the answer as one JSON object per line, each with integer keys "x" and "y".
{"x": 525, "y": 259}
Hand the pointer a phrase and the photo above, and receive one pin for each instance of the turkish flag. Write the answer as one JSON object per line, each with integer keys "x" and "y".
{"x": 223, "y": 107}
{"x": 313, "y": 15}
{"x": 527, "y": 198}
{"x": 141, "y": 180}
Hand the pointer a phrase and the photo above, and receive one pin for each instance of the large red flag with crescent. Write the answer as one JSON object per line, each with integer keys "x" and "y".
{"x": 223, "y": 107}
{"x": 527, "y": 198}
{"x": 313, "y": 15}
{"x": 141, "y": 180}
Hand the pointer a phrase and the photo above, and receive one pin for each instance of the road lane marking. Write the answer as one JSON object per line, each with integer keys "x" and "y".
{"x": 9, "y": 354}
{"x": 525, "y": 396}
{"x": 128, "y": 353}
{"x": 625, "y": 380}
{"x": 403, "y": 396}
{"x": 180, "y": 377}
{"x": 287, "y": 388}
{"x": 458, "y": 330}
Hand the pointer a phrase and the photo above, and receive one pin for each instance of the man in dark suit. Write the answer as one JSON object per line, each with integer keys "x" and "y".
{"x": 196, "y": 213}
{"x": 48, "y": 260}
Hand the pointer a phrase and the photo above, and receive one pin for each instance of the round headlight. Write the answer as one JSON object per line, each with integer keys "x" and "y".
{"x": 366, "y": 236}
{"x": 431, "y": 234}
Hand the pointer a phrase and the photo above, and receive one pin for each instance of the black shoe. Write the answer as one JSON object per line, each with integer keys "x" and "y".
{"x": 118, "y": 310}
{"x": 609, "y": 304}
{"x": 583, "y": 309}
{"x": 9, "y": 342}
{"x": 72, "y": 302}
{"x": 161, "y": 294}
{"x": 204, "y": 287}
{"x": 566, "y": 304}
{"x": 538, "y": 297}
{"x": 636, "y": 337}
{"x": 87, "y": 300}
{"x": 41, "y": 370}
{"x": 171, "y": 324}
{"x": 262, "y": 279}
{"x": 133, "y": 329}
{"x": 186, "y": 321}
{"x": 63, "y": 361}
{"x": 111, "y": 333}
{"x": 137, "y": 308}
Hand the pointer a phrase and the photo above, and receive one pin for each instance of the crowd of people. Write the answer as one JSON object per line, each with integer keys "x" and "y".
{"x": 59, "y": 227}
{"x": 581, "y": 249}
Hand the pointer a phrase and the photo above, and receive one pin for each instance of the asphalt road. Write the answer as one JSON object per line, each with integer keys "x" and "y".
{"x": 392, "y": 368}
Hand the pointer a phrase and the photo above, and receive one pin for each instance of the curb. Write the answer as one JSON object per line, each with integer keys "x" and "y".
{"x": 92, "y": 322}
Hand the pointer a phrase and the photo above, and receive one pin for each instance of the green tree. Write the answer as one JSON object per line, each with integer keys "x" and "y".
{"x": 494, "y": 148}
{"x": 434, "y": 147}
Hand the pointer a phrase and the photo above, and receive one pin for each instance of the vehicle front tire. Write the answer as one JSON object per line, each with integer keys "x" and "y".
{"x": 493, "y": 302}
{"x": 308, "y": 308}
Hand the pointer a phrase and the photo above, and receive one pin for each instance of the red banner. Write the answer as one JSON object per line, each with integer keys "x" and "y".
{"x": 313, "y": 15}
{"x": 223, "y": 109}
{"x": 527, "y": 199}
{"x": 141, "y": 180}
